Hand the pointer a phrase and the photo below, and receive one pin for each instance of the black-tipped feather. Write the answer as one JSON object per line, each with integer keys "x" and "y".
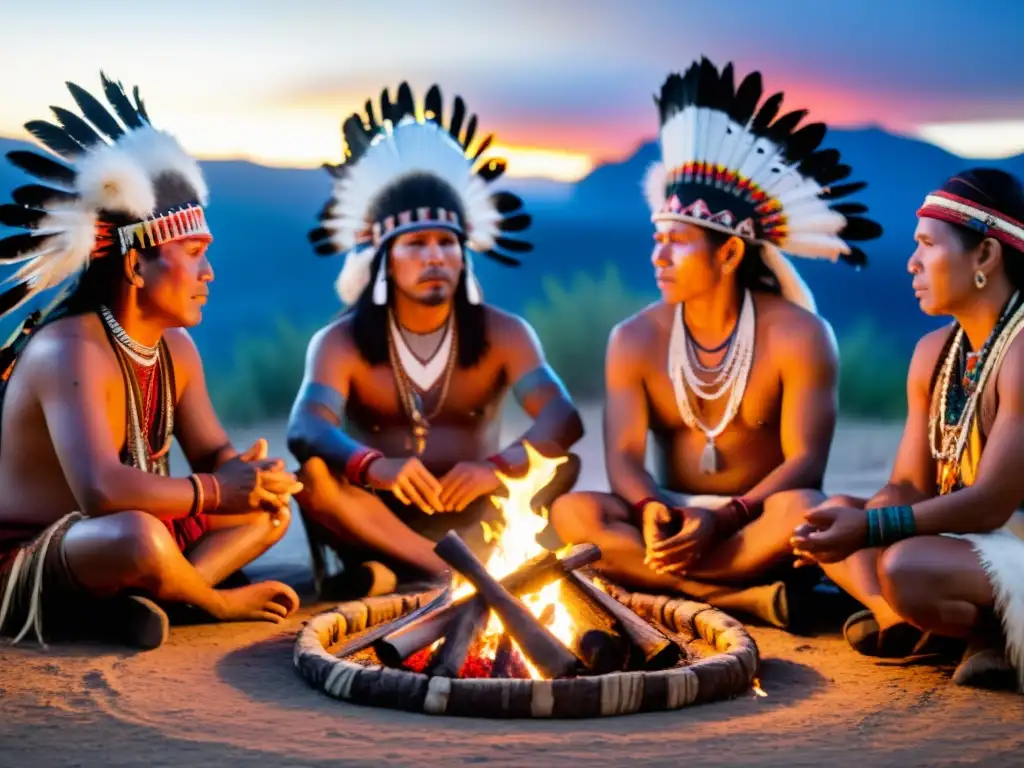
{"x": 140, "y": 105}
{"x": 77, "y": 128}
{"x": 318, "y": 234}
{"x": 371, "y": 118}
{"x": 858, "y": 228}
{"x": 766, "y": 114}
{"x": 848, "y": 209}
{"x": 783, "y": 128}
{"x": 39, "y": 196}
{"x": 834, "y": 193}
{"x": 406, "y": 104}
{"x": 747, "y": 96}
{"x": 42, "y": 167}
{"x": 326, "y": 248}
{"x": 95, "y": 112}
{"x": 55, "y": 138}
{"x": 516, "y": 223}
{"x": 387, "y": 109}
{"x": 483, "y": 146}
{"x": 119, "y": 101}
{"x": 515, "y": 246}
{"x": 458, "y": 115}
{"x": 356, "y": 137}
{"x": 805, "y": 141}
{"x": 503, "y": 258}
{"x": 12, "y": 297}
{"x": 837, "y": 172}
{"x": 856, "y": 257}
{"x": 19, "y": 216}
{"x": 506, "y": 202}
{"x": 434, "y": 106}
{"x": 492, "y": 170}
{"x": 470, "y": 132}
{"x": 15, "y": 246}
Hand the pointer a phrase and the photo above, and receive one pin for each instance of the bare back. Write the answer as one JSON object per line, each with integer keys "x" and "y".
{"x": 36, "y": 490}
{"x": 793, "y": 369}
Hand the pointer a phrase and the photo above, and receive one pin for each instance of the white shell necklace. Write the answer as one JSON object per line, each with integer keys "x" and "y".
{"x": 732, "y": 378}
{"x": 140, "y": 353}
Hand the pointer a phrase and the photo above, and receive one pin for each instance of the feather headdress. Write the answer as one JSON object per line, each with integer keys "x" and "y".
{"x": 407, "y": 171}
{"x": 735, "y": 164}
{"x": 112, "y": 183}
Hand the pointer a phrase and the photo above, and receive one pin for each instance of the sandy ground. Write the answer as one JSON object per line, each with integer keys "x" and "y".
{"x": 219, "y": 694}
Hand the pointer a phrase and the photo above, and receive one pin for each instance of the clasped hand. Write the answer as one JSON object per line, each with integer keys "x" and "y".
{"x": 251, "y": 481}
{"x": 830, "y": 534}
{"x": 414, "y": 485}
{"x": 675, "y": 539}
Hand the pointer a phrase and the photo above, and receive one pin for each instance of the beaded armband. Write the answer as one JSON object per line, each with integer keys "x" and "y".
{"x": 358, "y": 464}
{"x": 207, "y": 494}
{"x": 887, "y": 525}
{"x": 734, "y": 516}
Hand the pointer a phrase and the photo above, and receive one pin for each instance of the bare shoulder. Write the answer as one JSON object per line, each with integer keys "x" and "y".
{"x": 67, "y": 350}
{"x": 75, "y": 343}
{"x": 926, "y": 355}
{"x": 1010, "y": 381}
{"x": 508, "y": 327}
{"x": 637, "y": 334}
{"x": 791, "y": 327}
{"x": 334, "y": 339}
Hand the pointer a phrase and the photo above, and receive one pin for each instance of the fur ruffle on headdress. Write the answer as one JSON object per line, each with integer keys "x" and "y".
{"x": 411, "y": 171}
{"x": 117, "y": 184}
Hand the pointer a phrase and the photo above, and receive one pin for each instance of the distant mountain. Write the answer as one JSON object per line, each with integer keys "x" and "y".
{"x": 265, "y": 269}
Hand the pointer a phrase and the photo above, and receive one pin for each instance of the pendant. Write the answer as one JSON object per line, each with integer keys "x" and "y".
{"x": 419, "y": 436}
{"x": 709, "y": 458}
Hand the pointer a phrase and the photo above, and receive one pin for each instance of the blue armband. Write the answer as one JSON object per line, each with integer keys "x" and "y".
{"x": 541, "y": 376}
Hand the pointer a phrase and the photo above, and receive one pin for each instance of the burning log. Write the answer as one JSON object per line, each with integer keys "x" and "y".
{"x": 596, "y": 641}
{"x": 508, "y": 664}
{"x": 544, "y": 650}
{"x": 657, "y": 650}
{"x": 428, "y": 628}
{"x": 365, "y": 641}
{"x": 450, "y": 657}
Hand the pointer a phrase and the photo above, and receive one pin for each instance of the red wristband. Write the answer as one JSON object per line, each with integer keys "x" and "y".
{"x": 210, "y": 494}
{"x": 356, "y": 467}
{"x": 499, "y": 461}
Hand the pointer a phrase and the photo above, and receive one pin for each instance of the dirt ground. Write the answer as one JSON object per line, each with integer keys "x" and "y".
{"x": 219, "y": 694}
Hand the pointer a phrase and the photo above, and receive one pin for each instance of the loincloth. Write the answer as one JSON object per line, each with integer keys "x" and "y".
{"x": 188, "y": 530}
{"x": 37, "y": 587}
{"x": 1001, "y": 553}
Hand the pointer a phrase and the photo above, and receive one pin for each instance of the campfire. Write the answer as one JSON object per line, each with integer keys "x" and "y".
{"x": 528, "y": 633}
{"x": 527, "y": 613}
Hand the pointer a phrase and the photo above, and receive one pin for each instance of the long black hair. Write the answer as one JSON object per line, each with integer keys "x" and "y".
{"x": 370, "y": 321}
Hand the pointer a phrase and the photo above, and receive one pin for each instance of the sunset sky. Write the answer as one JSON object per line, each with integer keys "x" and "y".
{"x": 564, "y": 84}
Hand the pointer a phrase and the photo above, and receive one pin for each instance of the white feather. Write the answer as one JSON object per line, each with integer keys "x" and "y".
{"x": 654, "y": 186}
{"x": 354, "y": 275}
{"x": 812, "y": 245}
{"x": 65, "y": 255}
{"x": 158, "y": 152}
{"x": 110, "y": 179}
{"x": 793, "y": 286}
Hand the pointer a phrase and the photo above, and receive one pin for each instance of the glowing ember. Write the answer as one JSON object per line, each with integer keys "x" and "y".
{"x": 515, "y": 541}
{"x": 758, "y": 690}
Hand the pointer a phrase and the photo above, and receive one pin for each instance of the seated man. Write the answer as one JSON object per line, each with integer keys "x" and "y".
{"x": 91, "y": 525}
{"x": 938, "y": 553}
{"x": 397, "y": 421}
{"x": 744, "y": 411}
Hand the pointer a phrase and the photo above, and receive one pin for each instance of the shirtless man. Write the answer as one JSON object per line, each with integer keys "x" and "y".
{"x": 94, "y": 390}
{"x": 936, "y": 556}
{"x": 744, "y": 411}
{"x": 398, "y": 418}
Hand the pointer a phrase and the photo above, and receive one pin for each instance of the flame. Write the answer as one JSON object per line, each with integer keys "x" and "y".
{"x": 515, "y": 542}
{"x": 758, "y": 690}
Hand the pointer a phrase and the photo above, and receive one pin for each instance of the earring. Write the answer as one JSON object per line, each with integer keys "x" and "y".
{"x": 980, "y": 280}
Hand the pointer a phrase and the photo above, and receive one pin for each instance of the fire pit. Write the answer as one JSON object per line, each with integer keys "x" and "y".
{"x": 529, "y": 634}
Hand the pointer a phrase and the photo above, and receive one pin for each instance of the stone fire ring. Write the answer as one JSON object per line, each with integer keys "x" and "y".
{"x": 727, "y": 673}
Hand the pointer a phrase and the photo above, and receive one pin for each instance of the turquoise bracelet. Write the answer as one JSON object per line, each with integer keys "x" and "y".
{"x": 887, "y": 525}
